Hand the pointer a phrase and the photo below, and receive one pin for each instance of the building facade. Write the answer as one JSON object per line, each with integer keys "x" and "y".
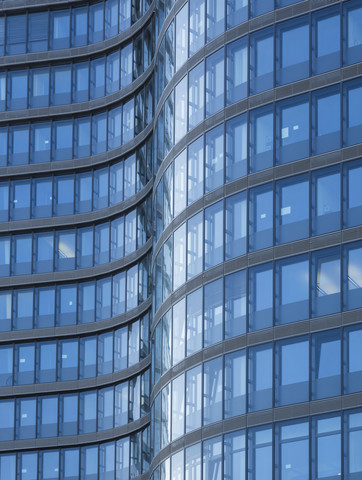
{"x": 180, "y": 239}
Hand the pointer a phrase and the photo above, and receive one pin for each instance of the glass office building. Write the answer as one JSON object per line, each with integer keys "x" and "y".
{"x": 180, "y": 239}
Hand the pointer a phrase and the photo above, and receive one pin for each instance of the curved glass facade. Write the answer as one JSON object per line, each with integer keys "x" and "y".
{"x": 180, "y": 240}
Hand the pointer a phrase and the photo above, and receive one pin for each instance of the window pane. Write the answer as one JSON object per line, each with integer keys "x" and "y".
{"x": 292, "y": 372}
{"x": 326, "y": 356}
{"x": 292, "y": 290}
{"x": 260, "y": 378}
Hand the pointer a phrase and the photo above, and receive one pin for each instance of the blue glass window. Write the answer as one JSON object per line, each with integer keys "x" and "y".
{"x": 38, "y": 87}
{"x": 352, "y": 360}
{"x": 215, "y": 80}
{"x": 261, "y": 61}
{"x": 97, "y": 78}
{"x": 292, "y": 371}
{"x": 7, "y": 419}
{"x": 23, "y": 309}
{"x": 352, "y": 194}
{"x": 128, "y": 121}
{"x": 214, "y": 158}
{"x": 113, "y": 72}
{"x": 353, "y": 423}
{"x": 353, "y": 36}
{"x": 292, "y": 441}
{"x": 196, "y": 95}
{"x": 352, "y": 276}
{"x": 40, "y": 143}
{"x": 87, "y": 358}
{"x": 111, "y": 18}
{"x": 235, "y": 384}
{"x": 326, "y": 40}
{"x": 83, "y": 193}
{"x": 260, "y": 453}
{"x": 68, "y": 360}
{"x": 99, "y": 133}
{"x": 195, "y": 173}
{"x": 293, "y": 130}
{"x": 352, "y": 107}
{"x": 47, "y": 417}
{"x": 235, "y": 304}
{"x": 212, "y": 394}
{"x": 213, "y": 235}
{"x": 236, "y": 148}
{"x": 260, "y": 377}
{"x": 181, "y": 109}
{"x": 64, "y": 195}
{"x": 45, "y": 307}
{"x": 17, "y": 90}
{"x": 292, "y": 209}
{"x": 16, "y": 34}
{"x": 82, "y": 137}
{"x": 96, "y": 22}
{"x": 237, "y": 12}
{"x": 326, "y": 282}
{"x": 261, "y": 139}
{"x": 212, "y": 458}
{"x": 260, "y": 297}
{"x": 326, "y": 199}
{"x": 46, "y": 362}
{"x": 43, "y": 252}
{"x": 235, "y": 225}
{"x": 292, "y": 290}
{"x": 293, "y": 51}
{"x": 6, "y": 366}
{"x": 261, "y": 215}
{"x": 194, "y": 245}
{"x": 21, "y": 254}
{"x": 258, "y": 8}
{"x": 326, "y": 433}
{"x": 80, "y": 82}
{"x": 126, "y": 65}
{"x": 213, "y": 312}
{"x": 61, "y": 85}
{"x": 236, "y": 71}
{"x": 79, "y": 26}
{"x": 26, "y": 418}
{"x": 181, "y": 36}
{"x": 197, "y": 26}
{"x": 24, "y": 363}
{"x": 65, "y": 250}
{"x": 59, "y": 29}
{"x": 85, "y": 247}
{"x": 326, "y": 356}
{"x": 20, "y": 201}
{"x": 42, "y": 197}
{"x": 326, "y": 120}
{"x": 19, "y": 145}
{"x": 62, "y": 140}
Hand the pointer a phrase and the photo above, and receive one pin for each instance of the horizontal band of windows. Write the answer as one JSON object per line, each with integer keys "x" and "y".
{"x": 237, "y": 147}
{"x": 64, "y": 29}
{"x": 74, "y": 194}
{"x": 283, "y": 449}
{"x": 77, "y": 137}
{"x": 287, "y": 372}
{"x": 63, "y": 250}
{"x": 73, "y": 83}
{"x": 276, "y": 293}
{"x": 75, "y": 303}
{"x": 80, "y": 358}
{"x": 127, "y": 458}
{"x": 275, "y": 134}
{"x": 75, "y": 413}
{"x": 290, "y": 210}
